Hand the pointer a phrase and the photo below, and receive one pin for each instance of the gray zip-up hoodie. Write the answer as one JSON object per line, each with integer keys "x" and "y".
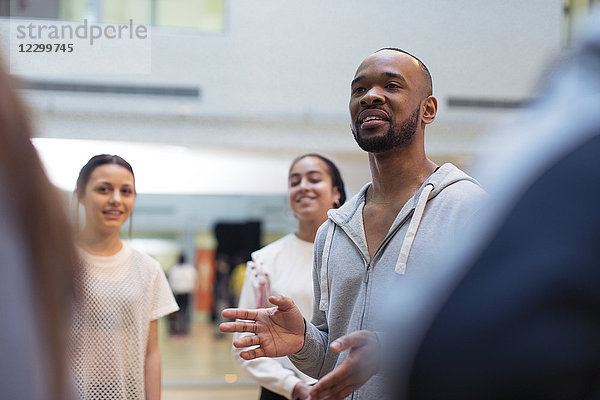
{"x": 351, "y": 288}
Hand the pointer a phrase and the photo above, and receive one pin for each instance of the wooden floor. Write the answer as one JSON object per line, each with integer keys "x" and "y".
{"x": 200, "y": 366}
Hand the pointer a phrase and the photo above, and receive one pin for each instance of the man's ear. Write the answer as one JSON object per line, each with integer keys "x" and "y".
{"x": 430, "y": 106}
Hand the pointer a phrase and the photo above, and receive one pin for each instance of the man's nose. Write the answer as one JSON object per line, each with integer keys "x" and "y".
{"x": 372, "y": 96}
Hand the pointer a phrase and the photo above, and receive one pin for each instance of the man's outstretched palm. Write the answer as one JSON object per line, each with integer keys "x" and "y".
{"x": 279, "y": 330}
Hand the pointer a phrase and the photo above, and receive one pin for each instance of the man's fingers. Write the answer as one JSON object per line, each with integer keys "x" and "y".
{"x": 246, "y": 341}
{"x": 252, "y": 354}
{"x": 238, "y": 326}
{"x": 354, "y": 339}
{"x": 330, "y": 383}
{"x": 240, "y": 313}
{"x": 321, "y": 387}
{"x": 332, "y": 390}
{"x": 283, "y": 303}
{"x": 349, "y": 375}
{"x": 339, "y": 391}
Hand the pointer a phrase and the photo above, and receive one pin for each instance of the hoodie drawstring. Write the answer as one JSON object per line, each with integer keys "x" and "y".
{"x": 404, "y": 251}
{"x": 412, "y": 229}
{"x": 324, "y": 284}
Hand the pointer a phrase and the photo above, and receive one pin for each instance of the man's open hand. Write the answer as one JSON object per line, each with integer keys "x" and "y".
{"x": 278, "y": 331}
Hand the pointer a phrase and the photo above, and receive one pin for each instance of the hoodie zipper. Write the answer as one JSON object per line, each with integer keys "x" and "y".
{"x": 368, "y": 264}
{"x": 368, "y": 272}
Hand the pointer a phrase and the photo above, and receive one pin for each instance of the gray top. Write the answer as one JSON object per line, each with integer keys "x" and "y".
{"x": 351, "y": 288}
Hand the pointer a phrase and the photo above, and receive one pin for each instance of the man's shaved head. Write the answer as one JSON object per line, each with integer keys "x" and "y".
{"x": 427, "y": 82}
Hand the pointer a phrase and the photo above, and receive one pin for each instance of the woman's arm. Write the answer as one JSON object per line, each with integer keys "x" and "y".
{"x": 152, "y": 367}
{"x": 267, "y": 372}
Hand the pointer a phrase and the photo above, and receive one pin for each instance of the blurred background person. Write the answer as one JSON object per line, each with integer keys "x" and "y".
{"x": 36, "y": 288}
{"x": 222, "y": 294}
{"x": 123, "y": 292}
{"x": 285, "y": 267}
{"x": 182, "y": 279}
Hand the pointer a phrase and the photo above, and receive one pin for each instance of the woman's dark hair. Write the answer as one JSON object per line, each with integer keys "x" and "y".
{"x": 92, "y": 164}
{"x": 45, "y": 232}
{"x": 334, "y": 173}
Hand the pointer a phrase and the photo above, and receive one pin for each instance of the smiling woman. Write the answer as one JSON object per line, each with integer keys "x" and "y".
{"x": 315, "y": 186}
{"x": 123, "y": 292}
{"x": 285, "y": 268}
{"x": 108, "y": 199}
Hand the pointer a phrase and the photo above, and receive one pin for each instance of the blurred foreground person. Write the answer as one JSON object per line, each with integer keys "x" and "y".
{"x": 285, "y": 267}
{"x": 123, "y": 292}
{"x": 36, "y": 265}
{"x": 522, "y": 318}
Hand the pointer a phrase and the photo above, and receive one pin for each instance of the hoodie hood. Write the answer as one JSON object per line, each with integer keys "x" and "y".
{"x": 349, "y": 219}
{"x": 443, "y": 177}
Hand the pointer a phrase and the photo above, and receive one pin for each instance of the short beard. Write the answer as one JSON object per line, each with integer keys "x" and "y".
{"x": 394, "y": 138}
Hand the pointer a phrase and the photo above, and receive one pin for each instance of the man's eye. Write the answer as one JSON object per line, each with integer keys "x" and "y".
{"x": 358, "y": 90}
{"x": 392, "y": 86}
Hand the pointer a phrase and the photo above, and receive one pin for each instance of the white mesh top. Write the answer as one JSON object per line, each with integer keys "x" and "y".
{"x": 120, "y": 296}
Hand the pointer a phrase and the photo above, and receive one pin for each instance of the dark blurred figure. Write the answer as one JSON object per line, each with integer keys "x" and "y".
{"x": 522, "y": 318}
{"x": 222, "y": 296}
{"x": 182, "y": 279}
{"x": 36, "y": 264}
{"x": 235, "y": 242}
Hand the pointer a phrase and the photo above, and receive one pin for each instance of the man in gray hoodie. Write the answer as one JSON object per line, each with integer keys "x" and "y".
{"x": 388, "y": 235}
